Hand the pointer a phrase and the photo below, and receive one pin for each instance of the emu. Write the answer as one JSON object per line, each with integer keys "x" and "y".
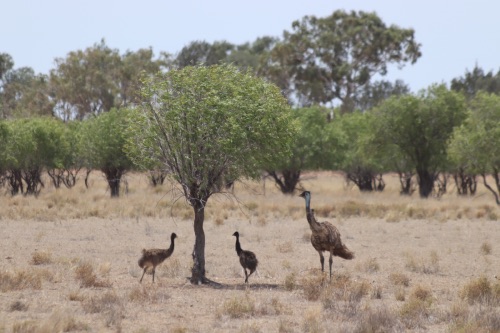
{"x": 154, "y": 257}
{"x": 248, "y": 260}
{"x": 325, "y": 236}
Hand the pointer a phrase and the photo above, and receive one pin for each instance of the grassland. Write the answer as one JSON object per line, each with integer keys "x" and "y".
{"x": 69, "y": 261}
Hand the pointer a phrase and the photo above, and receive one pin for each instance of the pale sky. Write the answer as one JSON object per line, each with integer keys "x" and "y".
{"x": 455, "y": 35}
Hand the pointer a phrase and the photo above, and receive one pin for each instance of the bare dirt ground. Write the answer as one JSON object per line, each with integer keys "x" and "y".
{"x": 76, "y": 269}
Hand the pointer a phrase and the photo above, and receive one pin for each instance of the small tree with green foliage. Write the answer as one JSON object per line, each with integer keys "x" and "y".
{"x": 207, "y": 126}
{"x": 476, "y": 144}
{"x": 316, "y": 146}
{"x": 102, "y": 146}
{"x": 419, "y": 126}
{"x": 359, "y": 164}
{"x": 32, "y": 145}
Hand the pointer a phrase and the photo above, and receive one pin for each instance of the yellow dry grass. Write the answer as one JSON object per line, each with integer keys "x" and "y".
{"x": 69, "y": 261}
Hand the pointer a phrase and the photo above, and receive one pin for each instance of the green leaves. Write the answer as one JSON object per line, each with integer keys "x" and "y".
{"x": 476, "y": 144}
{"x": 103, "y": 139}
{"x": 333, "y": 57}
{"x": 207, "y": 123}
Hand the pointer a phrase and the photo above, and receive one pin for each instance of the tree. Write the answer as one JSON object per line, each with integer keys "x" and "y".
{"x": 475, "y": 81}
{"x": 357, "y": 160}
{"x": 316, "y": 146}
{"x": 419, "y": 127}
{"x": 32, "y": 145}
{"x": 207, "y": 125}
{"x": 92, "y": 81}
{"x": 332, "y": 58}
{"x": 475, "y": 144}
{"x": 372, "y": 94}
{"x": 24, "y": 94}
{"x": 69, "y": 157}
{"x": 103, "y": 140}
{"x": 203, "y": 53}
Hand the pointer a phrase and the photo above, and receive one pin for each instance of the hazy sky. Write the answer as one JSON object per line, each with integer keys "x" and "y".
{"x": 455, "y": 35}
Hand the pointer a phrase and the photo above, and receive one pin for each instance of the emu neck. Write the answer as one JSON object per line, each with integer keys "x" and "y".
{"x": 171, "y": 248}
{"x": 238, "y": 246}
{"x": 313, "y": 224}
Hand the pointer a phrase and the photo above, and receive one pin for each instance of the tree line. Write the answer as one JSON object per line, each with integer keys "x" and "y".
{"x": 76, "y": 118}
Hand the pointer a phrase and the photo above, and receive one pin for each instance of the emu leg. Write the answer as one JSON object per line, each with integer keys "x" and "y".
{"x": 331, "y": 261}
{"x": 154, "y": 274}
{"x": 144, "y": 272}
{"x": 250, "y": 274}
{"x": 322, "y": 260}
{"x": 246, "y": 276}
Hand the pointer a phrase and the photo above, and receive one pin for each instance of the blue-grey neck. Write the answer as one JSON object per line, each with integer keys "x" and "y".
{"x": 307, "y": 196}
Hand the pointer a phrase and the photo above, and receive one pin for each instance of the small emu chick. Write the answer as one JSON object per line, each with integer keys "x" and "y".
{"x": 248, "y": 260}
{"x": 154, "y": 257}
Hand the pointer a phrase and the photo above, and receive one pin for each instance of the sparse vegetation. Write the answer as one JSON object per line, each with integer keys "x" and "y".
{"x": 486, "y": 248}
{"x": 399, "y": 279}
{"x": 87, "y": 267}
{"x": 85, "y": 274}
{"x": 41, "y": 258}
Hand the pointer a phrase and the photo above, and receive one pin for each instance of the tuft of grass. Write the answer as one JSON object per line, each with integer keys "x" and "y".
{"x": 380, "y": 319}
{"x": 143, "y": 294}
{"x": 417, "y": 308}
{"x": 399, "y": 279}
{"x": 109, "y": 305}
{"x": 171, "y": 268}
{"x": 290, "y": 282}
{"x": 20, "y": 279}
{"x": 285, "y": 326}
{"x": 18, "y": 306}
{"x": 400, "y": 294}
{"x": 486, "y": 248}
{"x": 376, "y": 292}
{"x": 59, "y": 321}
{"x": 313, "y": 322}
{"x": 41, "y": 258}
{"x": 75, "y": 295}
{"x": 421, "y": 265}
{"x": 370, "y": 265}
{"x": 285, "y": 247}
{"x": 238, "y": 307}
{"x": 421, "y": 293}
{"x": 313, "y": 285}
{"x": 84, "y": 273}
{"x": 481, "y": 291}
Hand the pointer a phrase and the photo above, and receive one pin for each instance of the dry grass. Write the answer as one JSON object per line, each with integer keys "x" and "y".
{"x": 22, "y": 279}
{"x": 84, "y": 273}
{"x": 486, "y": 248}
{"x": 399, "y": 279}
{"x": 41, "y": 258}
{"x": 69, "y": 261}
{"x": 481, "y": 290}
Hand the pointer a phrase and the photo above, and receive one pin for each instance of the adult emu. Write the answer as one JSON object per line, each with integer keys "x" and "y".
{"x": 325, "y": 237}
{"x": 154, "y": 257}
{"x": 248, "y": 260}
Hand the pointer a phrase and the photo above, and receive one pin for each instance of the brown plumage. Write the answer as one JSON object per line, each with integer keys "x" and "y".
{"x": 248, "y": 260}
{"x": 325, "y": 237}
{"x": 153, "y": 257}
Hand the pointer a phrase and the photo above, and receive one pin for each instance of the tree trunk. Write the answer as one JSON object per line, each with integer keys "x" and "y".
{"x": 466, "y": 183}
{"x": 114, "y": 176}
{"x": 363, "y": 178}
{"x": 288, "y": 180}
{"x": 15, "y": 182}
{"x": 496, "y": 177}
{"x": 198, "y": 270}
{"x": 425, "y": 183}
{"x": 33, "y": 180}
{"x": 405, "y": 180}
